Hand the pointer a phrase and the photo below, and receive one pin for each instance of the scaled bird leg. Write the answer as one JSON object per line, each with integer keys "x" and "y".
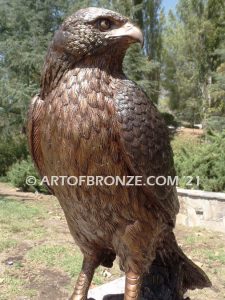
{"x": 84, "y": 279}
{"x": 132, "y": 286}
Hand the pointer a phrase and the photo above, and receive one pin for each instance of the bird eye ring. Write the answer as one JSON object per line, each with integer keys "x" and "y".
{"x": 104, "y": 24}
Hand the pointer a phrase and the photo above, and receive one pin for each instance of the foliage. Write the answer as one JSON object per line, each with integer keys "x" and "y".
{"x": 150, "y": 18}
{"x": 169, "y": 119}
{"x": 26, "y": 28}
{"x": 11, "y": 150}
{"x": 193, "y": 57}
{"x": 204, "y": 159}
{"x": 19, "y": 172}
{"x": 216, "y": 123}
{"x": 135, "y": 58}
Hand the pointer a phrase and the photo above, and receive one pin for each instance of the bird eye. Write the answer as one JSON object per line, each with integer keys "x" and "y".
{"x": 104, "y": 24}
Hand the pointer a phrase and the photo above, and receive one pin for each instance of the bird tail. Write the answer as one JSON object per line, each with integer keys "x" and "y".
{"x": 172, "y": 274}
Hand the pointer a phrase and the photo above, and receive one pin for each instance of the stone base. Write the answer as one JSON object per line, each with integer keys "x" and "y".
{"x": 113, "y": 287}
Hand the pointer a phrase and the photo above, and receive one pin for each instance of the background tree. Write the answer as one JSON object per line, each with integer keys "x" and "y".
{"x": 191, "y": 58}
{"x": 149, "y": 16}
{"x": 25, "y": 30}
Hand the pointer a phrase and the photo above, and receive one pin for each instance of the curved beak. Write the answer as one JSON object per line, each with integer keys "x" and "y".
{"x": 131, "y": 31}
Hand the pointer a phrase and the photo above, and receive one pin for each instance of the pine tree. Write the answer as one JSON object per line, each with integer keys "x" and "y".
{"x": 148, "y": 15}
{"x": 190, "y": 57}
{"x": 216, "y": 15}
{"x": 26, "y": 28}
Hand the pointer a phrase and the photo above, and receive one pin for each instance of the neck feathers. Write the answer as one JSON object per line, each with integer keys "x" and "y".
{"x": 59, "y": 63}
{"x": 56, "y": 64}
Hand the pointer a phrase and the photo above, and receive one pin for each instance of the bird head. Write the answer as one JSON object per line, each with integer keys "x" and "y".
{"x": 92, "y": 31}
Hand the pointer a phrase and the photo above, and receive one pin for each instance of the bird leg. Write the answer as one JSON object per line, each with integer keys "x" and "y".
{"x": 84, "y": 279}
{"x": 132, "y": 286}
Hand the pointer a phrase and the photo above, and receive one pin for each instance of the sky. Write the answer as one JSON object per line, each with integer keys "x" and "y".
{"x": 169, "y": 4}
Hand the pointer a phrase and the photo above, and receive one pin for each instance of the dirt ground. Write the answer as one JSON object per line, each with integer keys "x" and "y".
{"x": 39, "y": 260}
{"x": 190, "y": 131}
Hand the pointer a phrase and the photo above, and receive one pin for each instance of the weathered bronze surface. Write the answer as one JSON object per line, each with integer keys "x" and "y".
{"x": 89, "y": 119}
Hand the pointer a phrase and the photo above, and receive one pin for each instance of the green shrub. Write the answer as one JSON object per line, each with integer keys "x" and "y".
{"x": 11, "y": 149}
{"x": 215, "y": 123}
{"x": 19, "y": 172}
{"x": 169, "y": 119}
{"x": 204, "y": 159}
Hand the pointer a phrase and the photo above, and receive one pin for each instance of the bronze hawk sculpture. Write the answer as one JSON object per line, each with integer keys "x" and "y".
{"x": 90, "y": 120}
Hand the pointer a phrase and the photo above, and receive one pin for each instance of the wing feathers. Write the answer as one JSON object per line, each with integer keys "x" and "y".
{"x": 145, "y": 146}
{"x": 35, "y": 115}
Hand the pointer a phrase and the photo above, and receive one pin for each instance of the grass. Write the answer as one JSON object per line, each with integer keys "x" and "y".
{"x": 12, "y": 286}
{"x": 18, "y": 217}
{"x": 200, "y": 241}
{"x": 67, "y": 258}
{"x": 7, "y": 244}
{"x": 218, "y": 255}
{"x": 36, "y": 223}
{"x": 18, "y": 221}
{"x": 16, "y": 210}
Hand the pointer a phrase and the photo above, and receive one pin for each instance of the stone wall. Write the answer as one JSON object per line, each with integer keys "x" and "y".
{"x": 202, "y": 209}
